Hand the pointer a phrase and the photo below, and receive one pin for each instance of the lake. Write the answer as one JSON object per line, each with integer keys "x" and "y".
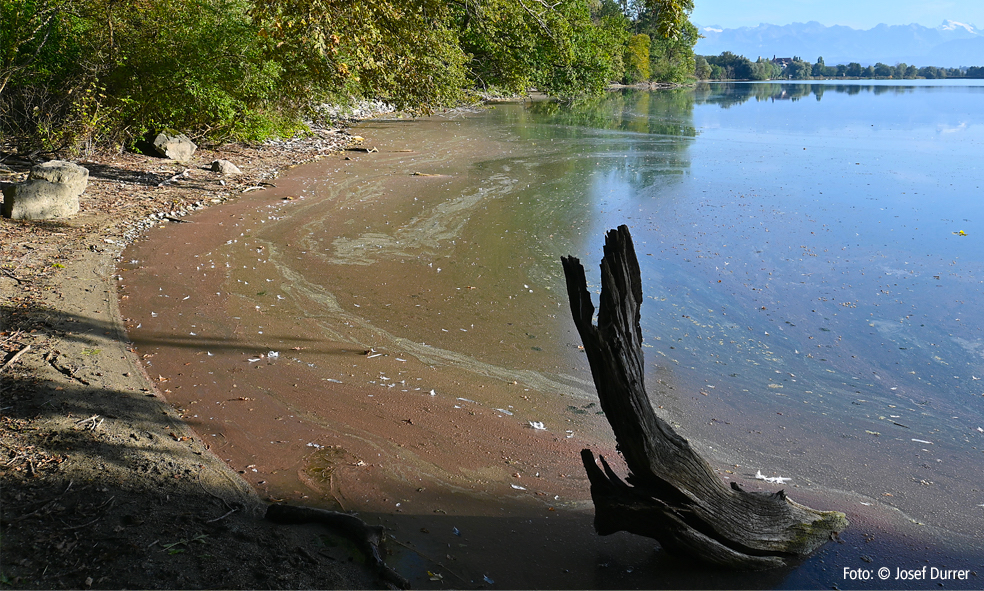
{"x": 387, "y": 330}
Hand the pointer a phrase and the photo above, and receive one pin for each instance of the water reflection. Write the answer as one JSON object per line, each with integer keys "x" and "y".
{"x": 666, "y": 113}
{"x": 811, "y": 265}
{"x": 726, "y": 94}
{"x": 811, "y": 301}
{"x": 812, "y": 305}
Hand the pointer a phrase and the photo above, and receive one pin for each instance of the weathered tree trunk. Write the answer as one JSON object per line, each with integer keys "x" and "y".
{"x": 675, "y": 496}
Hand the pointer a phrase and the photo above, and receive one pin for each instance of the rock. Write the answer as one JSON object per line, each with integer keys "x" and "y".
{"x": 51, "y": 190}
{"x": 225, "y": 167}
{"x": 176, "y": 147}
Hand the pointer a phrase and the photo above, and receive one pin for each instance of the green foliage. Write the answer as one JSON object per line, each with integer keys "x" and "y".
{"x": 763, "y": 69}
{"x": 27, "y": 26}
{"x": 637, "y": 59}
{"x": 729, "y": 66}
{"x": 197, "y": 65}
{"x": 798, "y": 70}
{"x": 672, "y": 37}
{"x": 561, "y": 49}
{"x": 672, "y": 58}
{"x": 79, "y": 73}
{"x": 488, "y": 27}
{"x": 580, "y": 56}
{"x": 110, "y": 70}
{"x": 702, "y": 70}
{"x": 39, "y": 52}
{"x": 883, "y": 70}
{"x": 667, "y": 19}
{"x": 404, "y": 51}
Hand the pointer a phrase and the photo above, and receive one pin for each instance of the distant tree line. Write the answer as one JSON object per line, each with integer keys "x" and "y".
{"x": 75, "y": 74}
{"x": 729, "y": 66}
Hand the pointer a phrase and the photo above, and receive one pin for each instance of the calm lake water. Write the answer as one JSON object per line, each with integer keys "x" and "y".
{"x": 812, "y": 264}
{"x": 817, "y": 269}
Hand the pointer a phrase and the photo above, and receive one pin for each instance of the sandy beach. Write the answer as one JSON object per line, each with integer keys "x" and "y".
{"x": 110, "y": 481}
{"x": 103, "y": 485}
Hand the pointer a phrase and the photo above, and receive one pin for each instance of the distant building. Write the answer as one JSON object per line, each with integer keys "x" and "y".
{"x": 782, "y": 61}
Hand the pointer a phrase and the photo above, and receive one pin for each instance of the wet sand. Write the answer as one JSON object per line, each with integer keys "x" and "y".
{"x": 407, "y": 382}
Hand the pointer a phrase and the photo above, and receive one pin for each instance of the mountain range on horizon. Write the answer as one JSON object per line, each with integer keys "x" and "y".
{"x": 951, "y": 45}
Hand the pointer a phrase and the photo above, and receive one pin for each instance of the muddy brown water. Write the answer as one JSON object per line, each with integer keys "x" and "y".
{"x": 386, "y": 332}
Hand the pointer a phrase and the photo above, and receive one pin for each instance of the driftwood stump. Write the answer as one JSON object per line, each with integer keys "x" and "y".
{"x": 672, "y": 494}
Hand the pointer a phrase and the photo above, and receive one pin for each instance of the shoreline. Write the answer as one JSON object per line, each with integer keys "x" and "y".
{"x": 73, "y": 315}
{"x": 103, "y": 484}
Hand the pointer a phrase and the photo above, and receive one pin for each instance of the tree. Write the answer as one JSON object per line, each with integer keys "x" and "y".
{"x": 883, "y": 70}
{"x": 106, "y": 70}
{"x": 637, "y": 59}
{"x": 27, "y": 28}
{"x": 666, "y": 18}
{"x": 562, "y": 48}
{"x": 702, "y": 70}
{"x": 404, "y": 51}
{"x": 671, "y": 50}
{"x": 672, "y": 58}
{"x": 74, "y": 73}
{"x": 763, "y": 70}
{"x": 798, "y": 70}
{"x": 733, "y": 67}
{"x": 38, "y": 56}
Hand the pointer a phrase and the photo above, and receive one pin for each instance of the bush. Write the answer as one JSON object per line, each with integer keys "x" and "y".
{"x": 107, "y": 72}
{"x": 79, "y": 73}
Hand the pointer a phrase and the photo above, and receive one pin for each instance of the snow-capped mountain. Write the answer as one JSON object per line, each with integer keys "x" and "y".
{"x": 952, "y": 44}
{"x": 949, "y": 25}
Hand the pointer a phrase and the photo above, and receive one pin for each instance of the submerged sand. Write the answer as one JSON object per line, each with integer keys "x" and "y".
{"x": 394, "y": 421}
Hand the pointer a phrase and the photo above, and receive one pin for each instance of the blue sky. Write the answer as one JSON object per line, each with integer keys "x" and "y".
{"x": 859, "y": 14}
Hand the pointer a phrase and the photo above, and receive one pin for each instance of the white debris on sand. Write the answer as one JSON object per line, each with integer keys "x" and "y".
{"x": 771, "y": 479}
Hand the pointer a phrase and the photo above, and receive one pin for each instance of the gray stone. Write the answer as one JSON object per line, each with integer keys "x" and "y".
{"x": 225, "y": 167}
{"x": 51, "y": 191}
{"x": 176, "y": 147}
